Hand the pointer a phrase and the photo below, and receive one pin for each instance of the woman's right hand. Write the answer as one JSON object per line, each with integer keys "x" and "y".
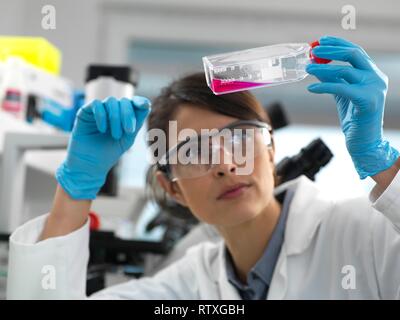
{"x": 103, "y": 131}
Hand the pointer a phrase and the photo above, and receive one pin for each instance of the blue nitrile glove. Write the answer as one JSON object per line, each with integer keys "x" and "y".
{"x": 359, "y": 91}
{"x": 103, "y": 131}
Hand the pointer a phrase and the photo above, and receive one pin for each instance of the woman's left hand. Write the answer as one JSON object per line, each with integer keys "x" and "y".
{"x": 359, "y": 91}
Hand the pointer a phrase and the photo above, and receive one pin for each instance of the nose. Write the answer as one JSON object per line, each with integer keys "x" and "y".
{"x": 224, "y": 167}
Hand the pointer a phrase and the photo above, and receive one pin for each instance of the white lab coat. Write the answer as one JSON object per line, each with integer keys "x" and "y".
{"x": 348, "y": 249}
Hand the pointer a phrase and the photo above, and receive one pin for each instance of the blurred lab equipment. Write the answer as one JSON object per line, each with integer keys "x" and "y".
{"x": 277, "y": 114}
{"x": 16, "y": 138}
{"x": 104, "y": 81}
{"x": 43, "y": 110}
{"x": 308, "y": 162}
{"x": 18, "y": 79}
{"x": 29, "y": 73}
{"x": 36, "y": 51}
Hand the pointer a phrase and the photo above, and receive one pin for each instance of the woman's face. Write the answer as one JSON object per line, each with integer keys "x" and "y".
{"x": 202, "y": 195}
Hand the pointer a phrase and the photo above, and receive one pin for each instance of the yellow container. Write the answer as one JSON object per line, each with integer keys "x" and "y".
{"x": 35, "y": 50}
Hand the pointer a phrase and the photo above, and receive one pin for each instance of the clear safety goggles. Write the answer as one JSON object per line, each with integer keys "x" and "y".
{"x": 236, "y": 143}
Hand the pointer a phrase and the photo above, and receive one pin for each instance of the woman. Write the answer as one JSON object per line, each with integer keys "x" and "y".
{"x": 306, "y": 246}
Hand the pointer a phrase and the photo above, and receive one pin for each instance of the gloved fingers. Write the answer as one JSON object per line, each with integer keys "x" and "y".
{"x": 100, "y": 115}
{"x": 347, "y": 54}
{"x": 340, "y": 89}
{"x": 335, "y": 73}
{"x": 336, "y": 41}
{"x": 114, "y": 117}
{"x": 322, "y": 75}
{"x": 127, "y": 115}
{"x": 142, "y": 109}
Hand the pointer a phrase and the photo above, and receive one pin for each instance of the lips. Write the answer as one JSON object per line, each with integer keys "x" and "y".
{"x": 233, "y": 191}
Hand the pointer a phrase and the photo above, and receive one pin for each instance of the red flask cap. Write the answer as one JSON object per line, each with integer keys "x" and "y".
{"x": 315, "y": 58}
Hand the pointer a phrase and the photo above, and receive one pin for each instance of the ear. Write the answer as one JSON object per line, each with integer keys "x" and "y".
{"x": 171, "y": 188}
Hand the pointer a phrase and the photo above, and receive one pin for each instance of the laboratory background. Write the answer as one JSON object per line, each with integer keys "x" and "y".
{"x": 51, "y": 50}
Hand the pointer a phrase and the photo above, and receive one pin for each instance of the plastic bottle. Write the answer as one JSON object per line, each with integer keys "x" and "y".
{"x": 259, "y": 67}
{"x": 14, "y": 96}
{"x": 104, "y": 81}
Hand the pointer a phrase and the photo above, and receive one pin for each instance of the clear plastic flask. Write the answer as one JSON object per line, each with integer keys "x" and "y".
{"x": 259, "y": 67}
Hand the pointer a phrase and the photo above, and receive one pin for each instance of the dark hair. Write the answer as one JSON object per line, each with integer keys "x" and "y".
{"x": 193, "y": 90}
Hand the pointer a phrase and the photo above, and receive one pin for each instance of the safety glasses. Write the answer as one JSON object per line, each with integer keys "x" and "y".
{"x": 236, "y": 143}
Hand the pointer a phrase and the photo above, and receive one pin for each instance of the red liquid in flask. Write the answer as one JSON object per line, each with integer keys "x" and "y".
{"x": 221, "y": 86}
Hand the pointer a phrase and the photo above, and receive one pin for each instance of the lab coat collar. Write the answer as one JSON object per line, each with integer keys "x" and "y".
{"x": 307, "y": 209}
{"x": 226, "y": 290}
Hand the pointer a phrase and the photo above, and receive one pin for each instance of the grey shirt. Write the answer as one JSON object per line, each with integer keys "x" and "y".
{"x": 259, "y": 277}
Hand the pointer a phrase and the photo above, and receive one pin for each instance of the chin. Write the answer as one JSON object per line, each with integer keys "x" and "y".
{"x": 237, "y": 217}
